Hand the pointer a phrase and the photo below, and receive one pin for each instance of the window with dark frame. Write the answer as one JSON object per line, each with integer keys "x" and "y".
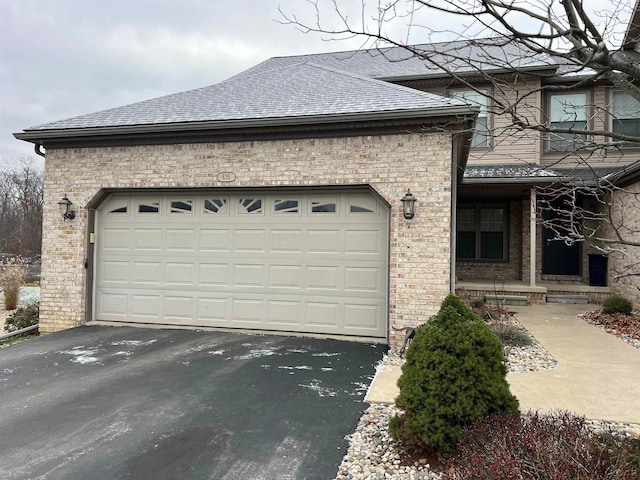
{"x": 482, "y": 232}
{"x": 567, "y": 111}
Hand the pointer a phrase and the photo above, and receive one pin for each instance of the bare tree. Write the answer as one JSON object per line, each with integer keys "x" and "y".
{"x": 21, "y": 199}
{"x": 494, "y": 40}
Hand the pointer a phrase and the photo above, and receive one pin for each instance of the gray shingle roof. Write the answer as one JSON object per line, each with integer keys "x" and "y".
{"x": 396, "y": 62}
{"x": 293, "y": 91}
{"x": 529, "y": 170}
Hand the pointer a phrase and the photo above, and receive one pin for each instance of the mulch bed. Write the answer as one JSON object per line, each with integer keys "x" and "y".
{"x": 616, "y": 323}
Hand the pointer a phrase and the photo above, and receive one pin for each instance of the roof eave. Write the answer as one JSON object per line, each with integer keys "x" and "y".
{"x": 34, "y": 136}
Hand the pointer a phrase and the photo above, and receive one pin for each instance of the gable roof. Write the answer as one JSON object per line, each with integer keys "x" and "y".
{"x": 298, "y": 93}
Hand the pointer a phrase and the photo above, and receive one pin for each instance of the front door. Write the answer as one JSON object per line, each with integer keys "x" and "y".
{"x": 558, "y": 258}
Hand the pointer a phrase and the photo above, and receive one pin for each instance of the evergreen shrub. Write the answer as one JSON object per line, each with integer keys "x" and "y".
{"x": 617, "y": 304}
{"x": 454, "y": 375}
{"x": 23, "y": 317}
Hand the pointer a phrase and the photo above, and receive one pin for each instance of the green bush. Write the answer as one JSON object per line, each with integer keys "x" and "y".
{"x": 23, "y": 317}
{"x": 454, "y": 375}
{"x": 617, "y": 304}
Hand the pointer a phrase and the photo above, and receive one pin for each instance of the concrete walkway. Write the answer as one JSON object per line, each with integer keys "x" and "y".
{"x": 598, "y": 376}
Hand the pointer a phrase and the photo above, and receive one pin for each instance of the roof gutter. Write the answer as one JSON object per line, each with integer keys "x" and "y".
{"x": 37, "y": 135}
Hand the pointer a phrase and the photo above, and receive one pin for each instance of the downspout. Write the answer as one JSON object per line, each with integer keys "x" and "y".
{"x": 38, "y": 148}
{"x": 454, "y": 208}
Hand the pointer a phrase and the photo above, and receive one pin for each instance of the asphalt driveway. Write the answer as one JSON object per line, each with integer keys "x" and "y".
{"x": 108, "y": 403}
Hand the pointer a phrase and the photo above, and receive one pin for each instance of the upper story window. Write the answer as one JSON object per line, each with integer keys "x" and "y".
{"x": 625, "y": 114}
{"x": 477, "y": 98}
{"x": 567, "y": 111}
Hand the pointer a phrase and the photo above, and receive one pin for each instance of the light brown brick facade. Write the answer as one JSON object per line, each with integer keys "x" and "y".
{"x": 419, "y": 263}
{"x": 624, "y": 260}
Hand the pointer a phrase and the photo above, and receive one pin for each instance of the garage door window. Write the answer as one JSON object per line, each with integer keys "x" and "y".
{"x": 149, "y": 207}
{"x": 286, "y": 206}
{"x": 250, "y": 205}
{"x": 362, "y": 205}
{"x": 215, "y": 205}
{"x": 181, "y": 206}
{"x": 118, "y": 207}
{"x": 323, "y": 206}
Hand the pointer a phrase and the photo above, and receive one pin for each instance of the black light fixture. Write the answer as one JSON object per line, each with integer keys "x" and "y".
{"x": 408, "y": 205}
{"x": 65, "y": 205}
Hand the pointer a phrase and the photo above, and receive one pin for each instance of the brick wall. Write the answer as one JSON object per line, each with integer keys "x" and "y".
{"x": 626, "y": 259}
{"x": 509, "y": 270}
{"x": 419, "y": 270}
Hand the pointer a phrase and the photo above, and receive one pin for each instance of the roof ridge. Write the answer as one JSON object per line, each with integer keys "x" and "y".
{"x": 395, "y": 86}
{"x": 390, "y": 47}
{"x": 344, "y": 73}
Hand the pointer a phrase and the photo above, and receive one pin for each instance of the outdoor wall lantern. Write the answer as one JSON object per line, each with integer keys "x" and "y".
{"x": 408, "y": 205}
{"x": 65, "y": 205}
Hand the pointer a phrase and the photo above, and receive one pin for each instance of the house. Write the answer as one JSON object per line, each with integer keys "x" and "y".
{"x": 274, "y": 199}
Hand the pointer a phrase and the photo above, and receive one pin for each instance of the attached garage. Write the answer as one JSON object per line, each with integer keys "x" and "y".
{"x": 271, "y": 201}
{"x": 295, "y": 261}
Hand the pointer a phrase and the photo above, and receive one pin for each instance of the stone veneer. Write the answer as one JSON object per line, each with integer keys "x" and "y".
{"x": 419, "y": 263}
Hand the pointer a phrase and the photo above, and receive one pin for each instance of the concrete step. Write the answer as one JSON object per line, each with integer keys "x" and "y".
{"x": 565, "y": 298}
{"x": 506, "y": 300}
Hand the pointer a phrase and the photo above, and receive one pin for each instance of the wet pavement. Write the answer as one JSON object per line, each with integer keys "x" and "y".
{"x": 119, "y": 402}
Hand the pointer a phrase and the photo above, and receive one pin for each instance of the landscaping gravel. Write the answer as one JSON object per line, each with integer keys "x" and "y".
{"x": 373, "y": 455}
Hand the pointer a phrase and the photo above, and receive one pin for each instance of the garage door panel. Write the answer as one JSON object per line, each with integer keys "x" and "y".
{"x": 147, "y": 239}
{"x": 323, "y": 278}
{"x": 248, "y": 276}
{"x": 247, "y": 312}
{"x": 360, "y": 317}
{"x": 285, "y": 276}
{"x": 180, "y": 239}
{"x": 116, "y": 239}
{"x": 323, "y": 241}
{"x": 215, "y": 240}
{"x": 363, "y": 279}
{"x": 147, "y": 273}
{"x": 323, "y": 315}
{"x": 285, "y": 241}
{"x": 178, "y": 307}
{"x": 249, "y": 241}
{"x": 217, "y": 309}
{"x": 115, "y": 272}
{"x": 214, "y": 274}
{"x": 284, "y": 313}
{"x": 113, "y": 305}
{"x": 363, "y": 242}
{"x": 180, "y": 273}
{"x": 291, "y": 262}
{"x": 146, "y": 305}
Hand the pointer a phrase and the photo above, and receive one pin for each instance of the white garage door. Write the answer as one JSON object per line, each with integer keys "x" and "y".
{"x": 272, "y": 261}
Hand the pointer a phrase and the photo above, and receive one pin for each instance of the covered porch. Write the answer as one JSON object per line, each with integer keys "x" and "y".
{"x": 503, "y": 253}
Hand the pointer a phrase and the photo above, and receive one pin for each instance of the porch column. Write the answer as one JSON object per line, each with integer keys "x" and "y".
{"x": 532, "y": 236}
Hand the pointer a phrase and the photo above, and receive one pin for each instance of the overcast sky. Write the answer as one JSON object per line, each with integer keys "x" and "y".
{"x": 63, "y": 58}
